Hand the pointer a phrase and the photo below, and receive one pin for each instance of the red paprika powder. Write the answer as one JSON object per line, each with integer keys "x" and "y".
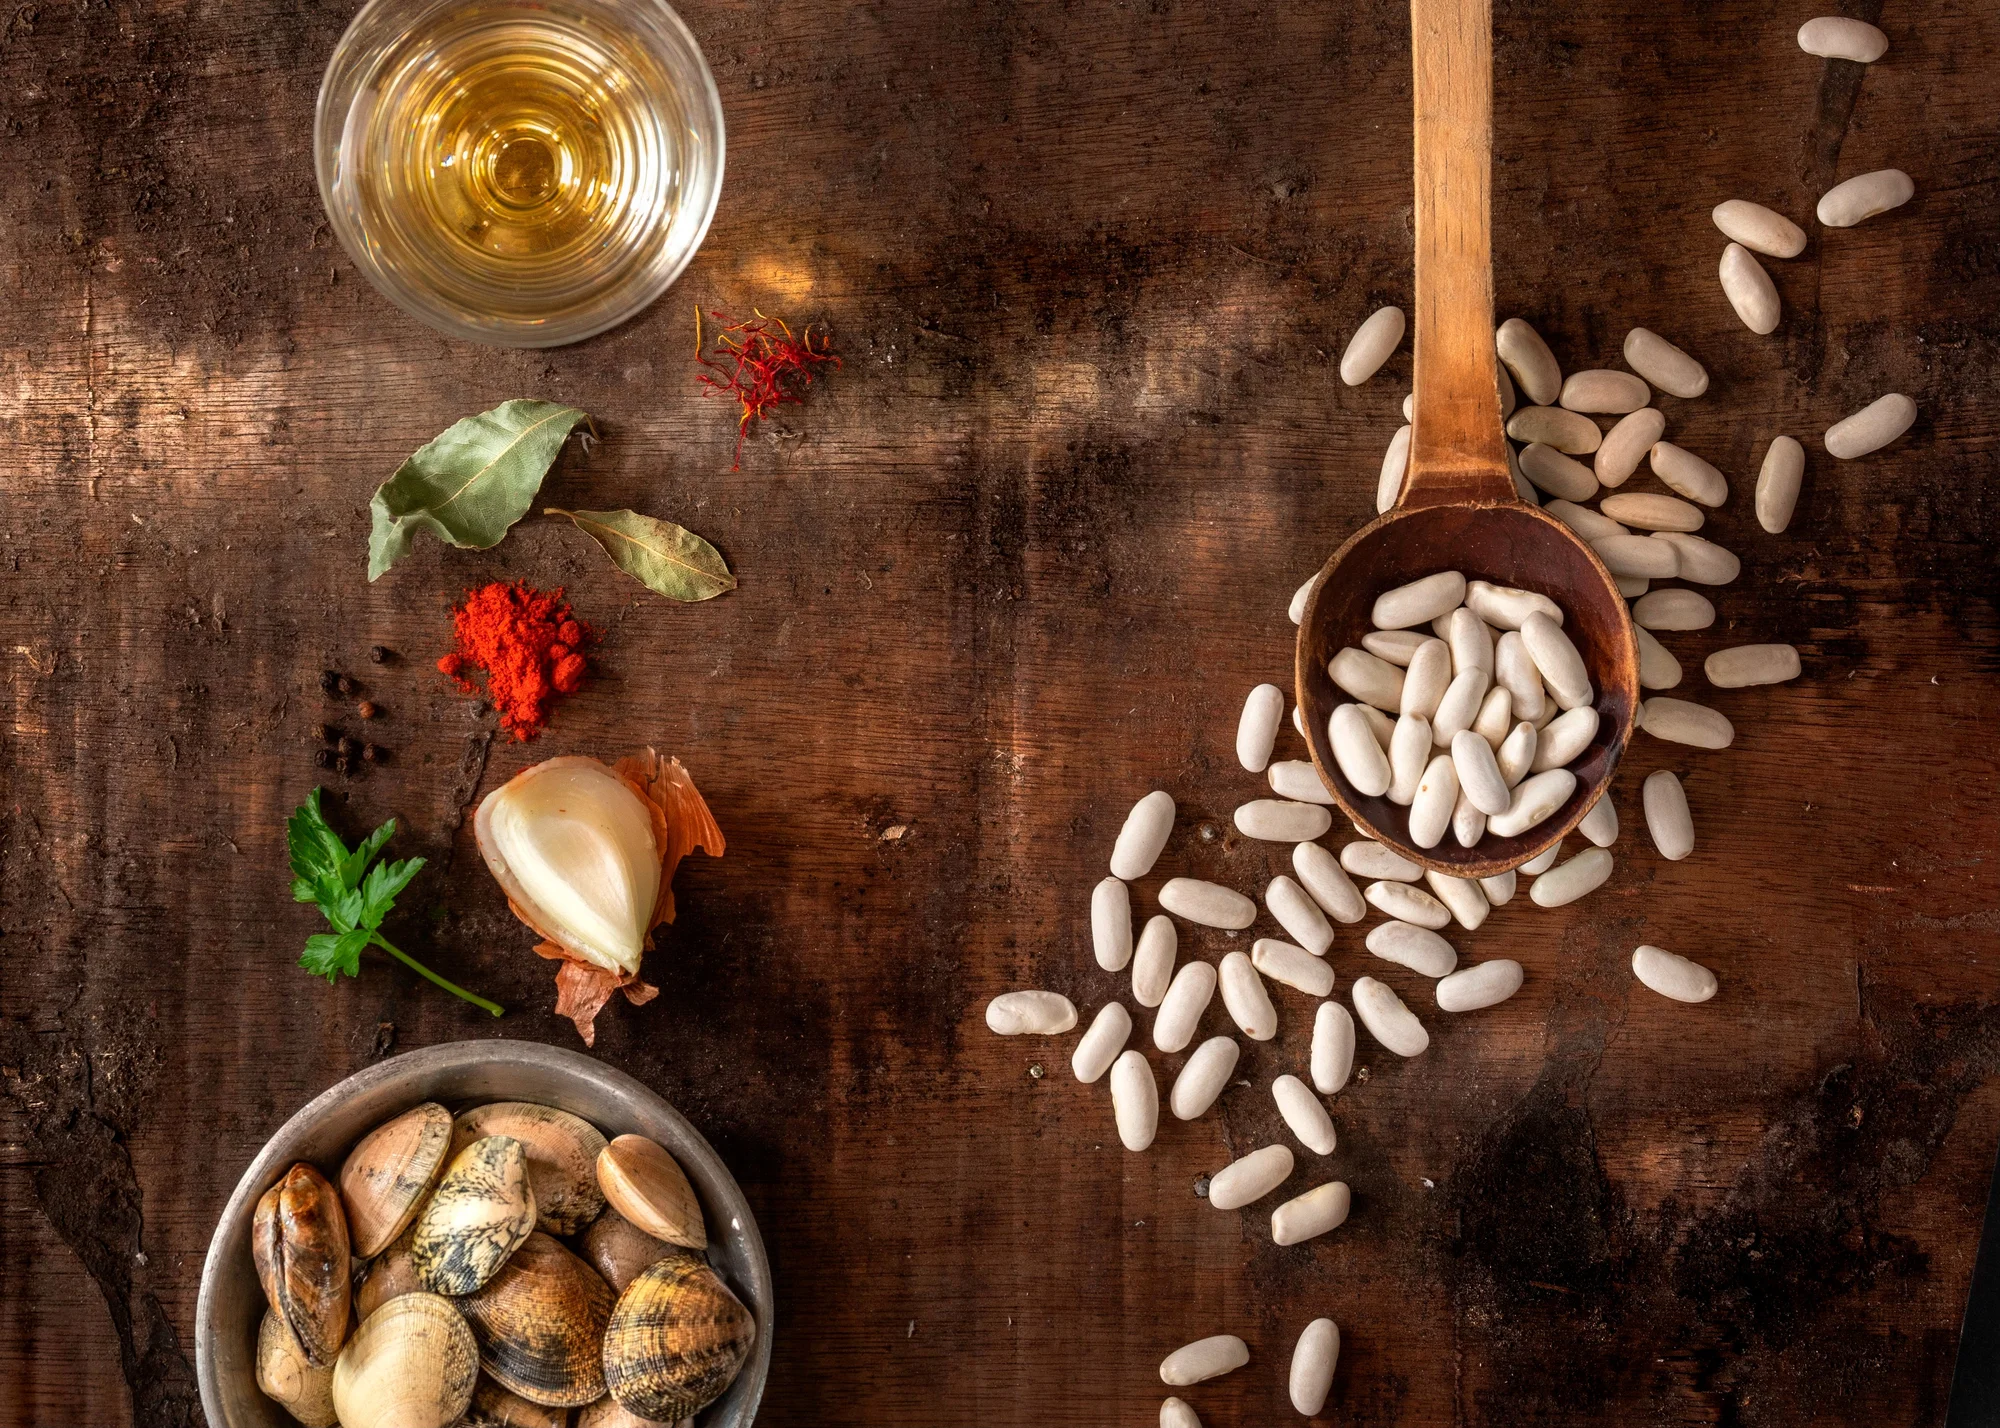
{"x": 529, "y": 645}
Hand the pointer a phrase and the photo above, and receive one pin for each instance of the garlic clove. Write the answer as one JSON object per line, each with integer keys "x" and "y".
{"x": 576, "y": 850}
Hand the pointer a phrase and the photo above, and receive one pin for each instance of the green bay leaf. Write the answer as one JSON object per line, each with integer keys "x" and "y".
{"x": 667, "y": 559}
{"x": 468, "y": 485}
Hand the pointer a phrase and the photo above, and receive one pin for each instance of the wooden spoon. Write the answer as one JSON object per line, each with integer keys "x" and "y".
{"x": 1458, "y": 509}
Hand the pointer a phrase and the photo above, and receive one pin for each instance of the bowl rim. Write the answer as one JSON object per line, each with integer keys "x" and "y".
{"x": 695, "y": 1152}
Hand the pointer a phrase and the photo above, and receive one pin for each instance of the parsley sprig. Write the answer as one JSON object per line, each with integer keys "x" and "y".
{"x": 354, "y": 896}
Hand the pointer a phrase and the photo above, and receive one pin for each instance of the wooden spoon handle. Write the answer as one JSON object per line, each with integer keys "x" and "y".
{"x": 1457, "y": 450}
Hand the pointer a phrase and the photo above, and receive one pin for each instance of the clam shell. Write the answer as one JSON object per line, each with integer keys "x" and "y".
{"x": 642, "y": 1183}
{"x": 410, "y": 1365}
{"x": 494, "y": 1407}
{"x": 288, "y": 1377}
{"x": 390, "y": 1273}
{"x": 619, "y": 1249}
{"x": 608, "y": 1412}
{"x": 562, "y": 1158}
{"x": 299, "y": 1243}
{"x": 676, "y": 1340}
{"x": 479, "y": 1214}
{"x": 386, "y": 1176}
{"x": 540, "y": 1325}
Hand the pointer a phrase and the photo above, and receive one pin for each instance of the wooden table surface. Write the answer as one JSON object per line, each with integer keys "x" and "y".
{"x": 1091, "y": 268}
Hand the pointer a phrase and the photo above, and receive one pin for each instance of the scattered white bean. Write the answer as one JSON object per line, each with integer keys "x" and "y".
{"x": 1332, "y": 1048}
{"x": 1636, "y": 555}
{"x": 1745, "y": 665}
{"x": 1543, "y": 860}
{"x": 1778, "y": 483}
{"x": 1204, "y": 1359}
{"x": 1503, "y": 607}
{"x": 1181, "y": 1009}
{"x": 1207, "y": 903}
{"x": 1499, "y": 888}
{"x": 1651, "y": 511}
{"x": 1688, "y": 474}
{"x": 1663, "y": 364}
{"x": 1683, "y": 723}
{"x": 1408, "y": 903}
{"x": 1322, "y": 876}
{"x": 1419, "y": 602}
{"x": 1305, "y": 1115}
{"x": 1871, "y": 428}
{"x": 1318, "y": 1348}
{"x": 1468, "y": 904}
{"x": 1569, "y": 881}
{"x": 1559, "y": 429}
{"x": 1203, "y": 1076}
{"x": 1759, "y": 229}
{"x": 1387, "y": 1019}
{"x": 1425, "y": 680}
{"x": 1371, "y": 345}
{"x": 1371, "y": 680}
{"x": 1538, "y": 796}
{"x": 1030, "y": 1014}
{"x": 1517, "y": 753}
{"x": 1175, "y": 1413}
{"x": 1667, "y": 816}
{"x": 1293, "y": 966}
{"x": 1565, "y": 737}
{"x": 1485, "y": 985}
{"x": 1626, "y": 445}
{"x": 1600, "y": 824}
{"x": 1555, "y": 655}
{"x": 1703, "y": 562}
{"x": 1279, "y": 820}
{"x": 1604, "y": 390}
{"x": 1409, "y": 753}
{"x": 1584, "y": 521}
{"x": 1298, "y": 914}
{"x": 1313, "y": 1213}
{"x": 1296, "y": 611}
{"x": 1395, "y": 461}
{"x": 1246, "y": 999}
{"x": 1249, "y": 1178}
{"x": 1135, "y": 1101}
{"x": 1111, "y": 924}
{"x": 1528, "y": 357}
{"x": 1672, "y": 975}
{"x": 1658, "y": 669}
{"x": 1468, "y": 824}
{"x": 1298, "y": 780}
{"x": 1109, "y": 1030}
{"x": 1864, "y": 196}
{"x": 1153, "y": 963}
{"x": 1430, "y": 810}
{"x": 1369, "y": 859}
{"x": 1397, "y": 647}
{"x": 1837, "y": 37}
{"x": 1257, "y": 727}
{"x": 1418, "y": 948}
{"x": 1750, "y": 289}
{"x": 1145, "y": 833}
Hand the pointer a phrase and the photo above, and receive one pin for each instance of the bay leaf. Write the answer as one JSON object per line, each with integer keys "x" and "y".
{"x": 468, "y": 485}
{"x": 667, "y": 559}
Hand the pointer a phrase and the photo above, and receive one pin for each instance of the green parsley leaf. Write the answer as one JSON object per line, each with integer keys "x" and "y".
{"x": 329, "y": 954}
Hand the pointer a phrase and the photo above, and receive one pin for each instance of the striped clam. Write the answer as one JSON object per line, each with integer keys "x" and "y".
{"x": 386, "y": 1176}
{"x": 496, "y": 1407}
{"x": 540, "y": 1325}
{"x": 620, "y": 1250}
{"x": 645, "y": 1185}
{"x": 411, "y": 1364}
{"x": 562, "y": 1154}
{"x": 479, "y": 1214}
{"x": 676, "y": 1340}
{"x": 299, "y": 1242}
{"x": 390, "y": 1273}
{"x": 608, "y": 1412}
{"x": 286, "y": 1375}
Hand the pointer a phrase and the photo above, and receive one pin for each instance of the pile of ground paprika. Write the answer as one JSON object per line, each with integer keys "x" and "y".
{"x": 529, "y": 645}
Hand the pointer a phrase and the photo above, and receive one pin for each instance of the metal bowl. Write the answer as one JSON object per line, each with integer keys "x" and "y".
{"x": 461, "y": 1074}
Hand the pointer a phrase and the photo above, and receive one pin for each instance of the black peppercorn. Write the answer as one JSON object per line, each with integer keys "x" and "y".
{"x": 327, "y": 733}
{"x": 381, "y": 654}
{"x": 348, "y": 748}
{"x": 375, "y": 753}
{"x": 323, "y": 757}
{"x": 348, "y": 764}
{"x": 329, "y": 681}
{"x": 346, "y": 685}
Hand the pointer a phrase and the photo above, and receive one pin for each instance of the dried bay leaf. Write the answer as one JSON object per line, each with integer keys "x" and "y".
{"x": 667, "y": 559}
{"x": 468, "y": 485}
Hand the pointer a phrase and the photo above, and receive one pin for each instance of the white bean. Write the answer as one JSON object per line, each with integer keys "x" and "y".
{"x": 1397, "y": 647}
{"x": 1409, "y": 752}
{"x": 1109, "y": 1030}
{"x": 1503, "y": 607}
{"x": 1663, "y": 364}
{"x": 1249, "y": 1178}
{"x": 1246, "y": 999}
{"x": 1318, "y": 1348}
{"x": 1209, "y": 904}
{"x": 1379, "y": 724}
{"x": 1604, "y": 390}
{"x": 1499, "y": 888}
{"x": 1332, "y": 1048}
{"x": 1460, "y": 705}
{"x": 1296, "y": 611}
{"x": 1145, "y": 833}
{"x": 1626, "y": 445}
{"x": 1745, "y": 665}
{"x": 1111, "y": 924}
{"x": 1508, "y": 401}
{"x": 1600, "y": 824}
{"x": 1650, "y": 511}
{"x": 1637, "y": 555}
{"x": 1468, "y": 824}
{"x": 1538, "y": 796}
{"x": 1407, "y": 903}
{"x": 1175, "y": 1413}
{"x": 1463, "y": 896}
{"x": 1297, "y": 780}
{"x": 1322, "y": 876}
{"x": 1387, "y": 1019}
{"x": 1517, "y": 753}
{"x": 1837, "y": 37}
{"x": 1864, "y": 196}
{"x": 1558, "y": 430}
{"x": 1298, "y": 914}
{"x": 1360, "y": 758}
{"x": 1555, "y": 655}
{"x": 1543, "y": 860}
{"x": 1305, "y": 1115}
{"x": 1279, "y": 820}
{"x": 1485, "y": 985}
{"x": 1299, "y": 721}
{"x": 1135, "y": 1100}
{"x": 1430, "y": 810}
{"x": 1688, "y": 474}
{"x": 1667, "y": 816}
{"x": 1528, "y": 357}
{"x": 1202, "y": 1078}
{"x": 1257, "y": 726}
{"x": 1674, "y": 610}
{"x": 1566, "y": 736}
{"x": 1369, "y": 859}
{"x": 1514, "y": 669}
{"x": 1778, "y": 483}
{"x": 1395, "y": 461}
{"x": 1496, "y": 718}
{"x": 1672, "y": 975}
{"x": 1584, "y": 521}
{"x": 1371, "y": 345}
{"x": 1759, "y": 229}
{"x": 1181, "y": 1010}
{"x": 1371, "y": 680}
{"x": 1471, "y": 642}
{"x": 1030, "y": 1014}
{"x": 1871, "y": 428}
{"x": 1684, "y": 723}
{"x": 1566, "y": 883}
{"x": 1479, "y": 772}
{"x": 1418, "y": 948}
{"x": 1658, "y": 669}
{"x": 1750, "y": 289}
{"x": 1204, "y": 1359}
{"x": 1409, "y": 406}
{"x": 1293, "y": 966}
{"x": 1703, "y": 562}
{"x": 1313, "y": 1213}
{"x": 1153, "y": 963}
{"x": 1419, "y": 602}
{"x": 1425, "y": 680}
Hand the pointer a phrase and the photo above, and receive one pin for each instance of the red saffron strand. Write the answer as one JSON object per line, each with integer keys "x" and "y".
{"x": 760, "y": 363}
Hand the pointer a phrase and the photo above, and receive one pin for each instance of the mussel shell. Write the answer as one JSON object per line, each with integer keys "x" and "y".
{"x": 390, "y": 1273}
{"x": 645, "y": 1185}
{"x": 298, "y": 1240}
{"x": 676, "y": 1340}
{"x": 494, "y": 1407}
{"x": 479, "y": 1214}
{"x": 385, "y": 1177}
{"x": 304, "y": 1389}
{"x": 411, "y": 1364}
{"x": 540, "y": 1325}
{"x": 562, "y": 1157}
{"x": 620, "y": 1250}
{"x": 608, "y": 1412}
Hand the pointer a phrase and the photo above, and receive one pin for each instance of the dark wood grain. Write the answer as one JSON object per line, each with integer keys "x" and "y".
{"x": 1090, "y": 268}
